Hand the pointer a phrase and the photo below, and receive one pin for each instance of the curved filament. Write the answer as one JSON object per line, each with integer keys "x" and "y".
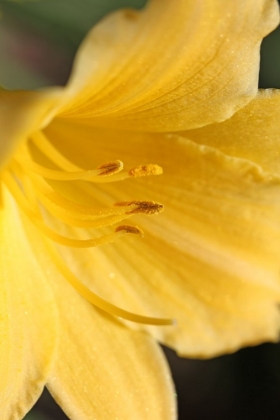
{"x": 42, "y": 143}
{"x": 62, "y": 240}
{"x": 33, "y": 188}
{"x": 98, "y": 301}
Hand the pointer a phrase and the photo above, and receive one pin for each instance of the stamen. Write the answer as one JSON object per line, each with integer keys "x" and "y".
{"x": 138, "y": 171}
{"x": 98, "y": 301}
{"x": 145, "y": 170}
{"x": 144, "y": 207}
{"x": 42, "y": 143}
{"x": 45, "y": 192}
{"x": 33, "y": 187}
{"x": 130, "y": 229}
{"x": 78, "y": 243}
{"x": 104, "y": 170}
{"x": 104, "y": 217}
{"x": 111, "y": 168}
{"x": 62, "y": 240}
{"x": 88, "y": 223}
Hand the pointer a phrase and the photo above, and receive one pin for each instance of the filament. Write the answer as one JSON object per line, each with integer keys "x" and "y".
{"x": 83, "y": 211}
{"x": 95, "y": 222}
{"x": 63, "y": 240}
{"x": 106, "y": 169}
{"x": 43, "y": 144}
{"x": 98, "y": 301}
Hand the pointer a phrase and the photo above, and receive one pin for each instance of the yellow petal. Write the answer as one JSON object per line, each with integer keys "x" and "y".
{"x": 27, "y": 321}
{"x": 175, "y": 65}
{"x": 103, "y": 370}
{"x": 252, "y": 133}
{"x": 21, "y": 113}
{"x": 210, "y": 260}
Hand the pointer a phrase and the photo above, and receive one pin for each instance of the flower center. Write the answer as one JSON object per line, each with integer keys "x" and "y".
{"x": 32, "y": 186}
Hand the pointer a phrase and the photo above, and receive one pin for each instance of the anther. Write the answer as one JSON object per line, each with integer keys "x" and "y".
{"x": 145, "y": 170}
{"x": 111, "y": 168}
{"x": 130, "y": 229}
{"x": 144, "y": 207}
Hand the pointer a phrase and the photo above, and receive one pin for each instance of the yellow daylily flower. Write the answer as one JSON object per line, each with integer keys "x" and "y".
{"x": 173, "y": 86}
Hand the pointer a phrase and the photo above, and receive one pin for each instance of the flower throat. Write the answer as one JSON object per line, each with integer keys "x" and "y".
{"x": 31, "y": 185}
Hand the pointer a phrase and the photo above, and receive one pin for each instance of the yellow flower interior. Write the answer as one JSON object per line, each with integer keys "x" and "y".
{"x": 29, "y": 183}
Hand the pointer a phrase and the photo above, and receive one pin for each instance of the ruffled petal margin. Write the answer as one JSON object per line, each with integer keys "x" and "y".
{"x": 253, "y": 133}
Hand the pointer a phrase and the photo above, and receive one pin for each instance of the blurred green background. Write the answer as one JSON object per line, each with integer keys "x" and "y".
{"x": 33, "y": 31}
{"x": 38, "y": 40}
{"x": 31, "y": 28}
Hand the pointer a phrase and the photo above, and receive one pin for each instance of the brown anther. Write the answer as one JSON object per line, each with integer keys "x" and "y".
{"x": 145, "y": 170}
{"x": 111, "y": 168}
{"x": 144, "y": 207}
{"x": 130, "y": 229}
